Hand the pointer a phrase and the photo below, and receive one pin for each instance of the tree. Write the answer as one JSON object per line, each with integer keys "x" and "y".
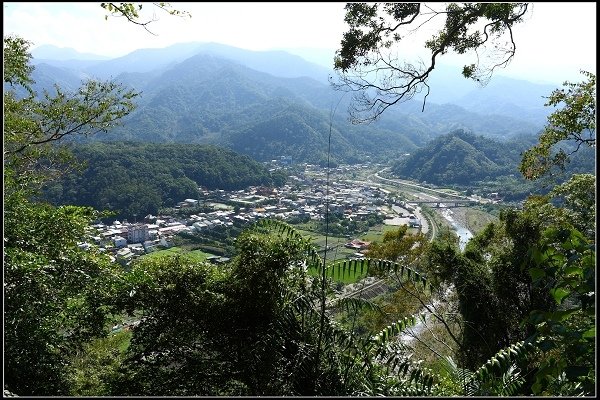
{"x": 566, "y": 259}
{"x": 57, "y": 295}
{"x": 131, "y": 12}
{"x": 578, "y": 199}
{"x": 246, "y": 328}
{"x": 575, "y": 123}
{"x": 368, "y": 67}
{"x": 34, "y": 125}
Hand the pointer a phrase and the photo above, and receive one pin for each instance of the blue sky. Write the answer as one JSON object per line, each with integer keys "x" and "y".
{"x": 553, "y": 44}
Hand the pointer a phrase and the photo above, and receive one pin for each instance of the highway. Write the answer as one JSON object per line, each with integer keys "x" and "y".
{"x": 422, "y": 188}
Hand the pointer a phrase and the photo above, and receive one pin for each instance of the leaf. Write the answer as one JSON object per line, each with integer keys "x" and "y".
{"x": 536, "y": 273}
{"x": 561, "y": 315}
{"x": 559, "y": 294}
{"x": 590, "y": 333}
{"x": 573, "y": 270}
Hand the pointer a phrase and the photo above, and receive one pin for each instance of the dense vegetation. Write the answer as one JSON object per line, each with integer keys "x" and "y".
{"x": 461, "y": 158}
{"x": 137, "y": 179}
{"x": 466, "y": 160}
{"x": 524, "y": 322}
{"x": 217, "y": 97}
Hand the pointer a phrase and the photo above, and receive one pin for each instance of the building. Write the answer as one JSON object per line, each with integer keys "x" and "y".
{"x": 120, "y": 241}
{"x": 137, "y": 233}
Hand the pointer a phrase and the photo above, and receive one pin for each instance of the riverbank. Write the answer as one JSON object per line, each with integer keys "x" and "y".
{"x": 473, "y": 219}
{"x": 460, "y": 217}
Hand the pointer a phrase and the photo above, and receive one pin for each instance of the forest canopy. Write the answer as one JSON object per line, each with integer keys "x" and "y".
{"x": 137, "y": 179}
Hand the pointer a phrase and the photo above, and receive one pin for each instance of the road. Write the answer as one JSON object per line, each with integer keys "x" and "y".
{"x": 421, "y": 188}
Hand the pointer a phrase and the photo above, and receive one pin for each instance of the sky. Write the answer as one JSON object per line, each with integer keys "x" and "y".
{"x": 554, "y": 42}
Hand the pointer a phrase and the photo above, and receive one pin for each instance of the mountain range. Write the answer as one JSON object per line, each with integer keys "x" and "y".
{"x": 272, "y": 103}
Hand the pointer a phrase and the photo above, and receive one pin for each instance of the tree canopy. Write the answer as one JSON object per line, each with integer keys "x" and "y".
{"x": 57, "y": 295}
{"x": 368, "y": 66}
{"x": 574, "y": 122}
{"x": 131, "y": 12}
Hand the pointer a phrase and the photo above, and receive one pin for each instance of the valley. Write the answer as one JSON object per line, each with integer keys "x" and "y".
{"x": 201, "y": 219}
{"x": 345, "y": 212}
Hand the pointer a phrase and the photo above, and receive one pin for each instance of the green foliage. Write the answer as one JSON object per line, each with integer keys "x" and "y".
{"x": 33, "y": 125}
{"x": 460, "y": 158}
{"x": 131, "y": 12}
{"x": 17, "y": 71}
{"x": 137, "y": 179}
{"x": 379, "y": 79}
{"x": 403, "y": 376}
{"x": 574, "y": 122}
{"x": 179, "y": 300}
{"x": 97, "y": 365}
{"x": 398, "y": 246}
{"x": 492, "y": 283}
{"x": 255, "y": 325}
{"x": 292, "y": 130}
{"x": 529, "y": 278}
{"x": 577, "y": 198}
{"x": 57, "y": 296}
{"x": 566, "y": 259}
{"x": 199, "y": 318}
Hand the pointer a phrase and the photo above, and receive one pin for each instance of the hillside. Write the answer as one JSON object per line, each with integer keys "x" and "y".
{"x": 461, "y": 158}
{"x": 214, "y": 94}
{"x": 139, "y": 178}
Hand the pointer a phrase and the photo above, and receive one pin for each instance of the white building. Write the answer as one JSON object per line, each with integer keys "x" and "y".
{"x": 120, "y": 241}
{"x": 137, "y": 233}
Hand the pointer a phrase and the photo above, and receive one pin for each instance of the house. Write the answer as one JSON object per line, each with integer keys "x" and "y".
{"x": 124, "y": 256}
{"x": 136, "y": 248}
{"x": 200, "y": 226}
{"x": 120, "y": 241}
{"x": 357, "y": 244}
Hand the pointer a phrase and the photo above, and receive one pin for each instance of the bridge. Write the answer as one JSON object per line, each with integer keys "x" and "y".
{"x": 447, "y": 203}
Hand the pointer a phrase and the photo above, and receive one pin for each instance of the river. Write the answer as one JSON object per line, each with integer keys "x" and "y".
{"x": 464, "y": 235}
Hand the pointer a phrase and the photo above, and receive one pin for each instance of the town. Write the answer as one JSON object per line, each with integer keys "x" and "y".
{"x": 304, "y": 198}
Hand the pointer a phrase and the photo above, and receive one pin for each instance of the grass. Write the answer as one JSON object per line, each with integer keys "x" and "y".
{"x": 477, "y": 220}
{"x": 376, "y": 232}
{"x": 196, "y": 255}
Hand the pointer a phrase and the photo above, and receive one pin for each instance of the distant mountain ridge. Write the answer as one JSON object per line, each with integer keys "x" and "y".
{"x": 51, "y": 52}
{"x": 268, "y": 104}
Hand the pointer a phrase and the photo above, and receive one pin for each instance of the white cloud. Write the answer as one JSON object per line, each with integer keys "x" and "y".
{"x": 557, "y": 39}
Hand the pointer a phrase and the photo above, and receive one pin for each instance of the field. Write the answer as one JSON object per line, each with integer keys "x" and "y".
{"x": 473, "y": 219}
{"x": 196, "y": 255}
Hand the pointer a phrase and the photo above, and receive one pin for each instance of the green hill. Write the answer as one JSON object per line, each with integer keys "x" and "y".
{"x": 139, "y": 178}
{"x": 461, "y": 158}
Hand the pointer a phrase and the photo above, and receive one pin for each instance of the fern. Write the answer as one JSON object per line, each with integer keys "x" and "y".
{"x": 377, "y": 363}
{"x": 499, "y": 376}
{"x": 313, "y": 259}
{"x": 350, "y": 304}
{"x": 413, "y": 379}
{"x": 367, "y": 265}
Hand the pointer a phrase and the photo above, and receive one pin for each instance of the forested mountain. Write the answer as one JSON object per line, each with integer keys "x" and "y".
{"x": 139, "y": 178}
{"x": 465, "y": 159}
{"x": 269, "y": 104}
{"x": 461, "y": 158}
